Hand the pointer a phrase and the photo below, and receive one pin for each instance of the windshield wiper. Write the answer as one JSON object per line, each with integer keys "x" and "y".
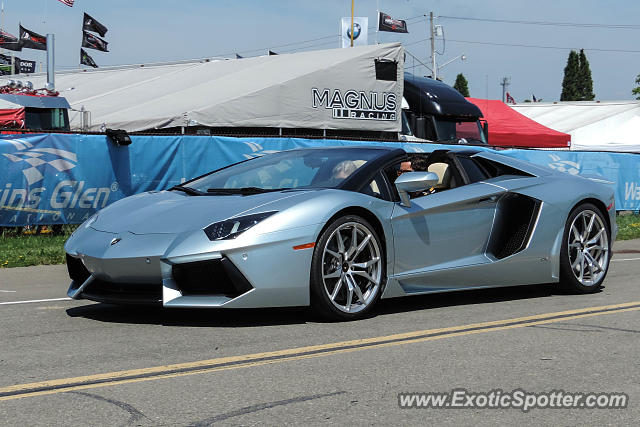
{"x": 187, "y": 190}
{"x": 243, "y": 190}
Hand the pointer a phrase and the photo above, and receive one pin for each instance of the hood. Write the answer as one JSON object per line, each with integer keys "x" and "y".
{"x": 175, "y": 212}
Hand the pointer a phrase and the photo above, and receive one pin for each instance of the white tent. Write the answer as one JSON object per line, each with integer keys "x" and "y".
{"x": 593, "y": 125}
{"x": 269, "y": 91}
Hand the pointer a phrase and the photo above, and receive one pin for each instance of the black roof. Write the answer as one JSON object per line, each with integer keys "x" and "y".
{"x": 429, "y": 96}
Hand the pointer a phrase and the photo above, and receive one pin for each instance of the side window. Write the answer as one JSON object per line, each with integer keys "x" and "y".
{"x": 474, "y": 172}
{"x": 495, "y": 169}
{"x": 448, "y": 176}
{"x": 393, "y": 172}
{"x": 376, "y": 188}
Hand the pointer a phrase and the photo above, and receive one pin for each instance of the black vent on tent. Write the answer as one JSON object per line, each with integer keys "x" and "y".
{"x": 386, "y": 70}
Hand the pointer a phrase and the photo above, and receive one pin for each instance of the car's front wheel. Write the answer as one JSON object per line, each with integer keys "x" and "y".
{"x": 348, "y": 269}
{"x": 586, "y": 250}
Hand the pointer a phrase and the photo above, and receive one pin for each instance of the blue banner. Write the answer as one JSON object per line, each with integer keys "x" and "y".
{"x": 64, "y": 179}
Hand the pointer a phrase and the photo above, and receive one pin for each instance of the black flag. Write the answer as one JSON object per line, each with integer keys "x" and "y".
{"x": 85, "y": 59}
{"x": 31, "y": 40}
{"x": 90, "y": 24}
{"x": 387, "y": 23}
{"x": 93, "y": 42}
{"x": 9, "y": 42}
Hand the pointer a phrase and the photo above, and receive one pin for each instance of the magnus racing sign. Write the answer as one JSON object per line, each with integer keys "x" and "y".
{"x": 358, "y": 105}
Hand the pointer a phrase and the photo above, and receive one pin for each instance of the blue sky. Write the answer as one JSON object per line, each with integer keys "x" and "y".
{"x": 143, "y": 31}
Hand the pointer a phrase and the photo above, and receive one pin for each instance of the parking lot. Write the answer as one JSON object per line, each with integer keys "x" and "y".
{"x": 79, "y": 362}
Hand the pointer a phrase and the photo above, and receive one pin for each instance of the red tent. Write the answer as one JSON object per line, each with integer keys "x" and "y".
{"x": 509, "y": 128}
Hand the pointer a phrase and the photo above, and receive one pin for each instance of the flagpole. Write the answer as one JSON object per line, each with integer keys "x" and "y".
{"x": 352, "y": 6}
{"x": 2, "y": 28}
{"x": 377, "y": 18}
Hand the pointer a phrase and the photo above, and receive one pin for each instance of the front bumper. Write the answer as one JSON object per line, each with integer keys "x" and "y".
{"x": 191, "y": 271}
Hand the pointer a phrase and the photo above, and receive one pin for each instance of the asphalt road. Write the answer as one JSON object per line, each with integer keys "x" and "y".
{"x": 132, "y": 366}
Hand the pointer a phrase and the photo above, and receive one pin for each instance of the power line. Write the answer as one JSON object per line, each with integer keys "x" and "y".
{"x": 540, "y": 46}
{"x": 557, "y": 24}
{"x": 415, "y": 20}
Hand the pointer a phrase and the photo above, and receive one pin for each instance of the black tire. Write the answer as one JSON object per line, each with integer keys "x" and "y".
{"x": 321, "y": 264}
{"x": 569, "y": 276}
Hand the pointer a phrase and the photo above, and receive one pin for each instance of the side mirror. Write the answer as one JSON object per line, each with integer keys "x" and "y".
{"x": 410, "y": 182}
{"x": 419, "y": 129}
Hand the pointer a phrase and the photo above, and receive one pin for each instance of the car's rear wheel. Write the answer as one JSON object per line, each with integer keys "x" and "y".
{"x": 348, "y": 269}
{"x": 586, "y": 250}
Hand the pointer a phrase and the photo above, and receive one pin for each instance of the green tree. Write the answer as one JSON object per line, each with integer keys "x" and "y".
{"x": 461, "y": 85}
{"x": 636, "y": 91}
{"x": 570, "y": 81}
{"x": 585, "y": 82}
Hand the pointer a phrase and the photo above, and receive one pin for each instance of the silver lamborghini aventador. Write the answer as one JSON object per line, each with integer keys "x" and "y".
{"x": 339, "y": 228}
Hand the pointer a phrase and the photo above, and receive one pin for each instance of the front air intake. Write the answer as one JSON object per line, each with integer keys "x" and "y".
{"x": 210, "y": 277}
{"x": 123, "y": 293}
{"x": 77, "y": 271}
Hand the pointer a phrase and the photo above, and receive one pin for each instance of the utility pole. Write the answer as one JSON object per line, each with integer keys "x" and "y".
{"x": 506, "y": 81}
{"x": 434, "y": 67}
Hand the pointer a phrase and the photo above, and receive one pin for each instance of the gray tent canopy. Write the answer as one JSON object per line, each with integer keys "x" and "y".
{"x": 352, "y": 88}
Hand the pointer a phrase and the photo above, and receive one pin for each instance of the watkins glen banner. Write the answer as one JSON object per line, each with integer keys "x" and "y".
{"x": 56, "y": 178}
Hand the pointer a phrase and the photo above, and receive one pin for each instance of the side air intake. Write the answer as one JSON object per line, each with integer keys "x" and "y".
{"x": 515, "y": 219}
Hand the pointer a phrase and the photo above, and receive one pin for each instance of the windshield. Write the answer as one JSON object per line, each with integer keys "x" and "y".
{"x": 451, "y": 129}
{"x": 46, "y": 119}
{"x": 316, "y": 168}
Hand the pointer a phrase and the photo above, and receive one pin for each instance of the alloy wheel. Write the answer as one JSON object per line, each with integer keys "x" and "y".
{"x": 352, "y": 267}
{"x": 588, "y": 246}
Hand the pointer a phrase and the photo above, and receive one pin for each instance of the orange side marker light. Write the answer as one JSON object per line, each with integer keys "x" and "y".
{"x": 305, "y": 246}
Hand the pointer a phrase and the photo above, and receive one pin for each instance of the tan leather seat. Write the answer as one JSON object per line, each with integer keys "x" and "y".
{"x": 444, "y": 174}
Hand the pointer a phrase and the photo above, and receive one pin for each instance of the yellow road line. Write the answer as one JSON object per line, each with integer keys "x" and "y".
{"x": 257, "y": 359}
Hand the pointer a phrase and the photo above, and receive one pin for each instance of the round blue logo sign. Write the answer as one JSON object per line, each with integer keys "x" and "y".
{"x": 356, "y": 31}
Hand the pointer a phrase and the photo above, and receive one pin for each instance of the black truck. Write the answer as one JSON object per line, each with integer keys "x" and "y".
{"x": 434, "y": 111}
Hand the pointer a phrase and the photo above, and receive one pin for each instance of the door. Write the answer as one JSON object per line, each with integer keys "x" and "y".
{"x": 443, "y": 232}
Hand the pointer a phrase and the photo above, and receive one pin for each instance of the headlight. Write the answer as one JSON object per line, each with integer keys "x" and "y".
{"x": 233, "y": 227}
{"x": 87, "y": 223}
{"x": 90, "y": 221}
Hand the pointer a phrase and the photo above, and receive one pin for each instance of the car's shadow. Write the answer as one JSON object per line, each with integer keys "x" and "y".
{"x": 156, "y": 315}
{"x": 289, "y": 316}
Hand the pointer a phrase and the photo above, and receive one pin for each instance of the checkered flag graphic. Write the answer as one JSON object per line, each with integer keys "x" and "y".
{"x": 36, "y": 158}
